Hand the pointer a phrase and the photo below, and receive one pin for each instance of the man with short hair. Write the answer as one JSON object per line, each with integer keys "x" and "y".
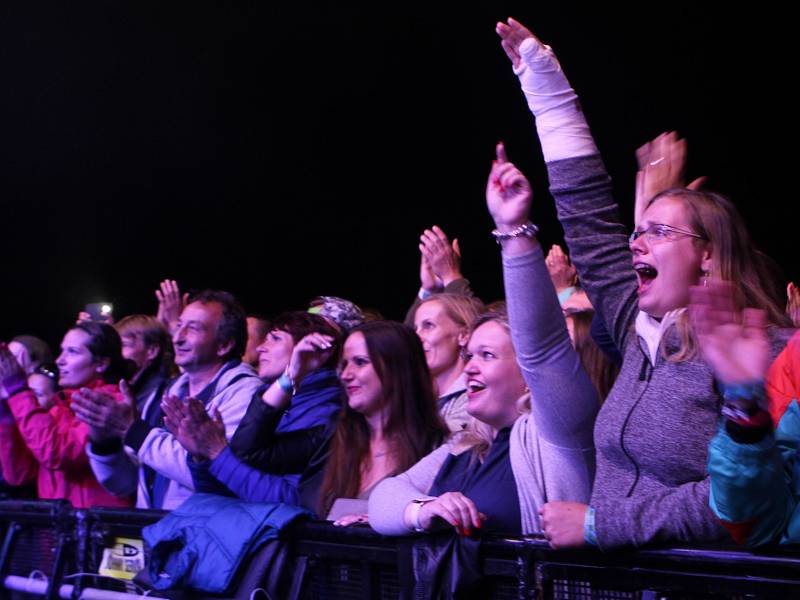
{"x": 209, "y": 341}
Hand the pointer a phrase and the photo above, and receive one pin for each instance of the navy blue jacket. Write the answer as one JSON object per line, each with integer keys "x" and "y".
{"x": 201, "y": 544}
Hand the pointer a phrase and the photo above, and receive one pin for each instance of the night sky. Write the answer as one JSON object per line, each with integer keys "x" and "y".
{"x": 281, "y": 152}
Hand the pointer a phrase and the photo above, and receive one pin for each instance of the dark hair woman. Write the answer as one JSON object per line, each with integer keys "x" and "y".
{"x": 48, "y": 444}
{"x": 388, "y": 423}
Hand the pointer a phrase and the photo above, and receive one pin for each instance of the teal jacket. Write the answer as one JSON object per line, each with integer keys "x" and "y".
{"x": 755, "y": 483}
{"x": 201, "y": 544}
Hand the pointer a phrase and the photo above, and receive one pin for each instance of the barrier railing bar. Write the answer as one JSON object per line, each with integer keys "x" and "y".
{"x": 65, "y": 590}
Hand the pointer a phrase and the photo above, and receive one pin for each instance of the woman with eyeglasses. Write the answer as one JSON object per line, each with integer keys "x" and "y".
{"x": 653, "y": 431}
{"x": 47, "y": 443}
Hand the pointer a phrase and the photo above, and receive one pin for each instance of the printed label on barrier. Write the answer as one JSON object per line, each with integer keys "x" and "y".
{"x": 124, "y": 559}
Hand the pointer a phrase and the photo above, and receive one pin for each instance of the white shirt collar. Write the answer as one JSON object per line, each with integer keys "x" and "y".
{"x": 651, "y": 330}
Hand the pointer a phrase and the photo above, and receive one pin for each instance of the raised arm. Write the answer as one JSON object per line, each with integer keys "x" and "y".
{"x": 439, "y": 269}
{"x": 593, "y": 231}
{"x": 564, "y": 402}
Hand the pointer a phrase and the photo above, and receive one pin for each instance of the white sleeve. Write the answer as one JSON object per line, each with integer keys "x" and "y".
{"x": 388, "y": 501}
{"x": 563, "y": 131}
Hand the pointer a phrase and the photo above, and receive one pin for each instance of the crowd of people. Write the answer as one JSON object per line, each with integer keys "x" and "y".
{"x": 638, "y": 389}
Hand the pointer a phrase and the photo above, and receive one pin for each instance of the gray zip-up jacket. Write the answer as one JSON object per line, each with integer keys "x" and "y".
{"x": 653, "y": 431}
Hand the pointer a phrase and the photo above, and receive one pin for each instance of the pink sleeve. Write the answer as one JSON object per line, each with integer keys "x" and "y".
{"x": 55, "y": 437}
{"x": 17, "y": 463}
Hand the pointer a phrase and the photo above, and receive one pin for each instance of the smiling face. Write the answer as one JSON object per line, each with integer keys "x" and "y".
{"x": 195, "y": 339}
{"x": 361, "y": 382}
{"x": 440, "y": 337}
{"x": 667, "y": 268}
{"x": 76, "y": 365}
{"x": 274, "y": 354}
{"x": 494, "y": 381}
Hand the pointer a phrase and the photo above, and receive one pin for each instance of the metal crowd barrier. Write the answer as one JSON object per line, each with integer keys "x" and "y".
{"x": 53, "y": 551}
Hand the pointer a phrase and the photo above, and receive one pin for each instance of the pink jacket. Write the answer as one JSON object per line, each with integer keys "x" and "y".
{"x": 49, "y": 444}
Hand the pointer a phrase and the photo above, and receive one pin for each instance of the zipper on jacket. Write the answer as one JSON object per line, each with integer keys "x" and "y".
{"x": 645, "y": 373}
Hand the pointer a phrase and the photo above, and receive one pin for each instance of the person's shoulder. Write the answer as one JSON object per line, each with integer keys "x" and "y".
{"x": 241, "y": 379}
{"x": 784, "y": 338}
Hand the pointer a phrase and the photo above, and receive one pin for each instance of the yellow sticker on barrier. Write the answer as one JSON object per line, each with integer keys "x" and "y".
{"x": 124, "y": 559}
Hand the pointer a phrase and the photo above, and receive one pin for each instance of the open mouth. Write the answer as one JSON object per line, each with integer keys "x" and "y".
{"x": 474, "y": 386}
{"x": 646, "y": 274}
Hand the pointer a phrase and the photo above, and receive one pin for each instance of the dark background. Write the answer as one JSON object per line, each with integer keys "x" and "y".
{"x": 286, "y": 151}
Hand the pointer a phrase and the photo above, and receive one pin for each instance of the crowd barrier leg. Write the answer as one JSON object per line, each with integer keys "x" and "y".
{"x": 64, "y": 542}
{"x": 298, "y": 578}
{"x": 8, "y": 544}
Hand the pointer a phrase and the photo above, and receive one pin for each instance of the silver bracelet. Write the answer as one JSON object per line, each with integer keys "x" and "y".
{"x": 528, "y": 230}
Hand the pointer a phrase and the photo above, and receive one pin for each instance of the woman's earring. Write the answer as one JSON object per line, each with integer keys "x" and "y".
{"x": 706, "y": 275}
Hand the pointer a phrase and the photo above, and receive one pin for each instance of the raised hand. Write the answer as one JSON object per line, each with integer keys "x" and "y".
{"x": 733, "y": 343}
{"x": 309, "y": 354}
{"x": 442, "y": 257}
{"x": 562, "y": 271}
{"x": 662, "y": 166}
{"x": 512, "y": 34}
{"x": 107, "y": 418}
{"x": 508, "y": 193}
{"x": 170, "y": 304}
{"x": 427, "y": 279}
{"x": 12, "y": 376}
